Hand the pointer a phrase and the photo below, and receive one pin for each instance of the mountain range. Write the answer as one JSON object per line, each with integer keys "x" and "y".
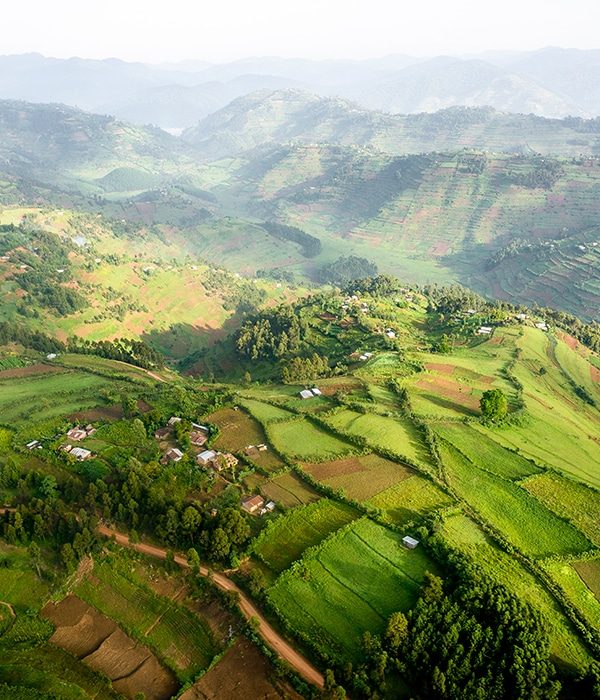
{"x": 551, "y": 82}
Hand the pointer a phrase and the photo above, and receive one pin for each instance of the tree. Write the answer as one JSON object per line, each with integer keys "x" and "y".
{"x": 35, "y": 557}
{"x": 396, "y": 632}
{"x": 193, "y": 560}
{"x": 219, "y": 545}
{"x": 494, "y": 405}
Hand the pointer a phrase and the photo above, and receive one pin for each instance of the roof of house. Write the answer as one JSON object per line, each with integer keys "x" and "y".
{"x": 410, "y": 540}
{"x": 162, "y": 432}
{"x": 207, "y": 455}
{"x": 306, "y": 394}
{"x": 175, "y": 453}
{"x": 253, "y": 501}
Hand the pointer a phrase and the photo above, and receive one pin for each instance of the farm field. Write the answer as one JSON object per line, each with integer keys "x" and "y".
{"x": 265, "y": 412}
{"x": 484, "y": 452}
{"x": 397, "y": 435}
{"x": 360, "y": 477}
{"x": 350, "y": 585}
{"x": 522, "y": 520}
{"x": 554, "y": 410}
{"x": 576, "y": 590}
{"x": 410, "y": 499}
{"x": 179, "y": 637}
{"x": 289, "y": 490}
{"x": 464, "y": 535}
{"x": 300, "y": 439}
{"x": 569, "y": 499}
{"x": 590, "y": 574}
{"x": 239, "y": 430}
{"x": 286, "y": 538}
{"x": 49, "y": 395}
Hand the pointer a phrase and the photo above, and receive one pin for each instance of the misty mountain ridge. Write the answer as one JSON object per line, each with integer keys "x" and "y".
{"x": 551, "y": 82}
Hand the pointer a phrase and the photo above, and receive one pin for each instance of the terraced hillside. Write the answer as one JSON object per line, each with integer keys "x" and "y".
{"x": 514, "y": 227}
{"x": 282, "y": 116}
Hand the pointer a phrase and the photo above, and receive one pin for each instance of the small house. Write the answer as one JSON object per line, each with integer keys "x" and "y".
{"x": 197, "y": 438}
{"x": 390, "y": 333}
{"x": 253, "y": 504}
{"x": 542, "y": 326}
{"x": 76, "y": 434}
{"x": 51, "y": 356}
{"x": 471, "y": 312}
{"x": 316, "y": 392}
{"x": 206, "y": 458}
{"x": 306, "y": 394}
{"x": 162, "y": 433}
{"x": 522, "y": 317}
{"x": 224, "y": 460}
{"x": 409, "y": 542}
{"x": 368, "y": 355}
{"x": 270, "y": 506}
{"x": 66, "y": 448}
{"x": 250, "y": 450}
{"x": 173, "y": 455}
{"x": 31, "y": 445}
{"x": 203, "y": 428}
{"x": 80, "y": 453}
{"x": 484, "y": 330}
{"x": 173, "y": 419}
{"x": 262, "y": 447}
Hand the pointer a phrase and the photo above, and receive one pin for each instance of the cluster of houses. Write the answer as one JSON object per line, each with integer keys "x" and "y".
{"x": 78, "y": 433}
{"x": 362, "y": 357}
{"x": 484, "y": 330}
{"x": 310, "y": 393}
{"x": 255, "y": 505}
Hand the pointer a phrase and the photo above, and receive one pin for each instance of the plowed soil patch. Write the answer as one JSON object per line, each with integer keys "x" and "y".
{"x": 104, "y": 647}
{"x": 451, "y": 391}
{"x": 242, "y": 673}
{"x": 338, "y": 467}
{"x": 108, "y": 413}
{"x": 439, "y": 367}
{"x": 32, "y": 370}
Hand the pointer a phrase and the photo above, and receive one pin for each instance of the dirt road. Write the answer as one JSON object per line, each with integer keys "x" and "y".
{"x": 266, "y": 631}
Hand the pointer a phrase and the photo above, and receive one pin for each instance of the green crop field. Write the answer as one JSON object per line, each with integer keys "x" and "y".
{"x": 569, "y": 499}
{"x": 576, "y": 591}
{"x": 487, "y": 454}
{"x": 397, "y": 435}
{"x": 289, "y": 490}
{"x": 360, "y": 477}
{"x": 348, "y": 586}
{"x": 19, "y": 584}
{"x": 524, "y": 521}
{"x": 265, "y": 412}
{"x": 464, "y": 534}
{"x": 181, "y": 638}
{"x": 49, "y": 395}
{"x": 301, "y": 439}
{"x": 285, "y": 539}
{"x": 410, "y": 499}
{"x": 553, "y": 410}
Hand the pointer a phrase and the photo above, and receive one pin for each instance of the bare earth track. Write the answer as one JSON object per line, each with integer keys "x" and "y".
{"x": 284, "y": 650}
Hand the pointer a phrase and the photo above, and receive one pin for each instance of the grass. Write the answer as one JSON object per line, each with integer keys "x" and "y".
{"x": 289, "y": 490}
{"x": 181, "y": 638}
{"x": 349, "y": 586}
{"x": 410, "y": 499}
{"x": 301, "y": 439}
{"x": 19, "y": 585}
{"x": 521, "y": 519}
{"x": 361, "y": 477}
{"x": 465, "y": 535}
{"x": 485, "y": 452}
{"x": 286, "y": 538}
{"x": 397, "y": 435}
{"x": 569, "y": 499}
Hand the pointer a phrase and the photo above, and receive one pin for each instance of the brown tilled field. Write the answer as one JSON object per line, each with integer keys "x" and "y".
{"x": 459, "y": 395}
{"x": 360, "y": 477}
{"x": 289, "y": 490}
{"x": 238, "y": 430}
{"x": 30, "y": 371}
{"x": 103, "y": 646}
{"x": 589, "y": 571}
{"x": 242, "y": 673}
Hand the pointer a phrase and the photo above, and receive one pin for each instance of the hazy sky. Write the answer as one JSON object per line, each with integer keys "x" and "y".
{"x": 221, "y": 30}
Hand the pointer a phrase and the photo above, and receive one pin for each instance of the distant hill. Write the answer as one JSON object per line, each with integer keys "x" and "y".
{"x": 550, "y": 82}
{"x": 279, "y": 117}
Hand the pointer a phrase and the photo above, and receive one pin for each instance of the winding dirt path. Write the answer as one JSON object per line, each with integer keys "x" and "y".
{"x": 266, "y": 631}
